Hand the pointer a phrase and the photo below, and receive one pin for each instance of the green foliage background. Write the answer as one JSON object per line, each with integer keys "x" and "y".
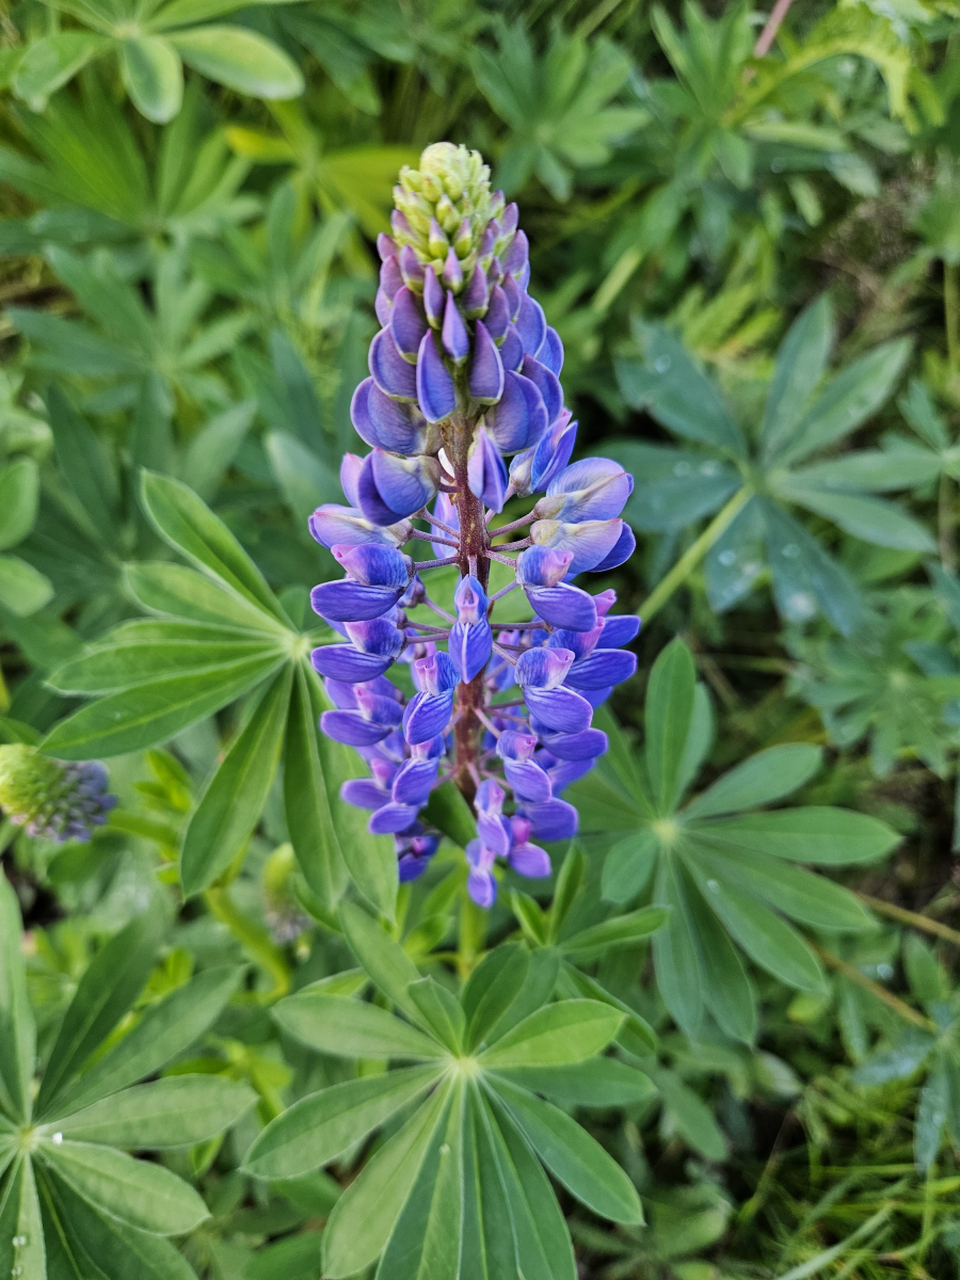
{"x": 736, "y": 1003}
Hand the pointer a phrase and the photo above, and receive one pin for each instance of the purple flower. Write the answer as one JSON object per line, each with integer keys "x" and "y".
{"x": 464, "y": 376}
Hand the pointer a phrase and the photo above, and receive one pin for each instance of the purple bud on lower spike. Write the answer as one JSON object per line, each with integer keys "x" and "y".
{"x": 390, "y": 370}
{"x": 391, "y": 488}
{"x": 386, "y": 246}
{"x": 411, "y": 268}
{"x": 453, "y": 272}
{"x": 476, "y": 293}
{"x": 515, "y": 258}
{"x": 456, "y": 340}
{"x": 486, "y": 371}
{"x": 435, "y": 391}
{"x": 407, "y": 323}
{"x": 513, "y": 295}
{"x": 511, "y": 349}
{"x": 434, "y": 297}
{"x": 531, "y": 325}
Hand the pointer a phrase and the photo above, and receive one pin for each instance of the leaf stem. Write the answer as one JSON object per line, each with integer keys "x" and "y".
{"x": 951, "y": 314}
{"x": 886, "y": 997}
{"x": 911, "y": 917}
{"x": 665, "y": 588}
{"x": 255, "y": 941}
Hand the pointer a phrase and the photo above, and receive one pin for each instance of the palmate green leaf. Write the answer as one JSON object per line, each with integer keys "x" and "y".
{"x": 762, "y": 778}
{"x": 441, "y": 1012}
{"x": 85, "y": 465}
{"x": 389, "y": 966}
{"x": 23, "y": 589}
{"x": 801, "y": 363}
{"x": 190, "y": 527}
{"x": 214, "y": 447}
{"x": 150, "y": 714}
{"x": 539, "y": 985}
{"x": 727, "y": 990}
{"x": 187, "y": 11}
{"x": 19, "y": 493}
{"x": 540, "y": 1237}
{"x": 350, "y": 1028}
{"x": 17, "y": 1029}
{"x": 491, "y": 988}
{"x": 489, "y": 1250}
{"x": 691, "y": 1115}
{"x": 232, "y": 803}
{"x": 137, "y": 652}
{"x": 872, "y": 470}
{"x": 20, "y": 1219}
{"x": 364, "y": 1216}
{"x": 676, "y": 950}
{"x": 560, "y": 1033}
{"x": 635, "y": 1034}
{"x": 669, "y": 710}
{"x": 629, "y": 865}
{"x": 308, "y": 803}
{"x": 165, "y": 1030}
{"x": 50, "y": 62}
{"x": 572, "y": 1156}
{"x": 932, "y": 1110}
{"x": 139, "y": 1193}
{"x": 427, "y": 1238}
{"x": 111, "y": 983}
{"x": 152, "y": 76}
{"x": 805, "y": 576}
{"x": 812, "y": 833}
{"x": 321, "y": 1127}
{"x": 240, "y": 59}
{"x": 872, "y": 519}
{"x": 176, "y": 591}
{"x": 176, "y": 1112}
{"x": 117, "y": 1250}
{"x": 598, "y": 1082}
{"x": 625, "y": 930}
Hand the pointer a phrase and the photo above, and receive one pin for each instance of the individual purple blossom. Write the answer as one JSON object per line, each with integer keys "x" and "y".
{"x": 463, "y": 412}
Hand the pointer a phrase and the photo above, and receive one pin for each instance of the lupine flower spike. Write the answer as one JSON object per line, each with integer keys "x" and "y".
{"x": 56, "y": 799}
{"x": 463, "y": 410}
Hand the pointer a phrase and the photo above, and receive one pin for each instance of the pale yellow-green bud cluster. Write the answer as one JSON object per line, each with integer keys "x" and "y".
{"x": 56, "y": 799}
{"x": 445, "y": 204}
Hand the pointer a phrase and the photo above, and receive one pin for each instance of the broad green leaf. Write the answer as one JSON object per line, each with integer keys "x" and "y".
{"x": 572, "y": 1156}
{"x": 669, "y": 708}
{"x": 769, "y": 775}
{"x": 19, "y": 493}
{"x": 441, "y": 1011}
{"x": 598, "y": 1082}
{"x": 153, "y": 77}
{"x": 178, "y": 592}
{"x": 17, "y": 1030}
{"x": 488, "y": 1250}
{"x": 800, "y": 364}
{"x": 767, "y": 939}
{"x": 176, "y": 1112}
{"x": 350, "y": 1028}
{"x": 85, "y": 465}
{"x": 233, "y": 801}
{"x": 699, "y": 738}
{"x": 595, "y": 941}
{"x": 389, "y": 966}
{"x": 190, "y": 527}
{"x": 491, "y": 989}
{"x": 873, "y": 470}
{"x": 213, "y": 448}
{"x": 676, "y": 950}
{"x": 23, "y": 589}
{"x": 138, "y": 653}
{"x": 848, "y": 400}
{"x": 309, "y": 806}
{"x": 805, "y": 577}
{"x": 726, "y": 988}
{"x": 140, "y": 1193}
{"x": 691, "y": 1115}
{"x": 364, "y": 1216}
{"x": 239, "y": 59}
{"x": 539, "y": 984}
{"x": 121, "y": 1252}
{"x": 800, "y": 894}
{"x": 426, "y": 1240}
{"x": 812, "y": 833}
{"x": 635, "y": 1034}
{"x": 109, "y": 986}
{"x": 150, "y": 714}
{"x": 629, "y": 865}
{"x": 540, "y": 1235}
{"x": 321, "y": 1127}
{"x": 926, "y": 975}
{"x": 51, "y": 62}
{"x": 303, "y": 478}
{"x": 30, "y": 1253}
{"x": 166, "y": 1029}
{"x": 873, "y": 519}
{"x": 566, "y": 1032}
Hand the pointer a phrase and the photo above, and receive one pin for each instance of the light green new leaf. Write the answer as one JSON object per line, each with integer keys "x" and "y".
{"x": 111, "y": 983}
{"x": 19, "y": 493}
{"x": 321, "y": 1127}
{"x": 190, "y": 527}
{"x": 669, "y": 708}
{"x": 140, "y": 1193}
{"x": 17, "y": 1030}
{"x": 350, "y": 1028}
{"x": 175, "y": 591}
{"x": 566, "y": 1032}
{"x": 176, "y": 1112}
{"x": 364, "y": 1216}
{"x": 240, "y": 59}
{"x": 149, "y": 715}
{"x": 166, "y": 1029}
{"x": 231, "y": 806}
{"x": 153, "y": 77}
{"x": 51, "y": 62}
{"x": 572, "y": 1156}
{"x": 813, "y": 833}
{"x": 769, "y": 775}
{"x": 23, "y": 589}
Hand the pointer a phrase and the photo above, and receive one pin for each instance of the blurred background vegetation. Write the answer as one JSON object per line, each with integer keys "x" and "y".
{"x": 190, "y": 192}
